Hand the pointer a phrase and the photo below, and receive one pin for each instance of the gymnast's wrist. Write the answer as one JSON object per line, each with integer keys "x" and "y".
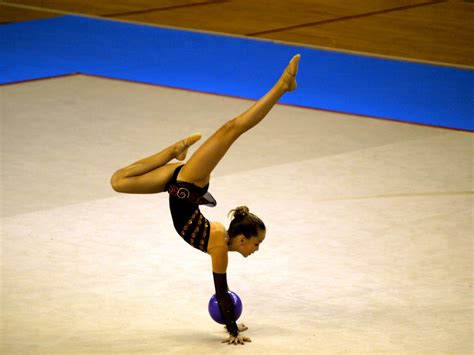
{"x": 233, "y": 331}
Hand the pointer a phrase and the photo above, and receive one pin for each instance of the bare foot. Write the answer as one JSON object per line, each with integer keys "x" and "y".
{"x": 288, "y": 78}
{"x": 183, "y": 145}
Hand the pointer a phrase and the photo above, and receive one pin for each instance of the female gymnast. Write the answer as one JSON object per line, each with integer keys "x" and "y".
{"x": 187, "y": 185}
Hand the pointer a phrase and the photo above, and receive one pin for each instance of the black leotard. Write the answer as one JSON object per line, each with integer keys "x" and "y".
{"x": 188, "y": 220}
{"x": 194, "y": 228}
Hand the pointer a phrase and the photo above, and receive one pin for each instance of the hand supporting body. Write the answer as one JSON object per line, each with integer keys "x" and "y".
{"x": 227, "y": 310}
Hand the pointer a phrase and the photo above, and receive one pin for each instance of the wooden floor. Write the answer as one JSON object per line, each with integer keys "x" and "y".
{"x": 420, "y": 30}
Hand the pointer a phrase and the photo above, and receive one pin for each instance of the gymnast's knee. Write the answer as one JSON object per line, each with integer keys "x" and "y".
{"x": 116, "y": 182}
{"x": 233, "y": 127}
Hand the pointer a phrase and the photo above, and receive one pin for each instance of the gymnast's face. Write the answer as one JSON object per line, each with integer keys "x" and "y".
{"x": 250, "y": 246}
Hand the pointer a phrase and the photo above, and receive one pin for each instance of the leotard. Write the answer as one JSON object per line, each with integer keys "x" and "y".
{"x": 189, "y": 222}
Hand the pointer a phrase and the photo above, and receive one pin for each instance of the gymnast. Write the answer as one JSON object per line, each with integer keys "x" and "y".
{"x": 188, "y": 183}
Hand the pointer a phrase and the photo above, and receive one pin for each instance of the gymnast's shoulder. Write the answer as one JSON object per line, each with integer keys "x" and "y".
{"x": 218, "y": 238}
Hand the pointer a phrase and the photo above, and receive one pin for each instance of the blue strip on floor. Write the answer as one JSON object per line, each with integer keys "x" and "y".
{"x": 244, "y": 67}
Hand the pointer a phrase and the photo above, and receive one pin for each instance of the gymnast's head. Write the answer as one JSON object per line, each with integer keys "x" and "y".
{"x": 246, "y": 231}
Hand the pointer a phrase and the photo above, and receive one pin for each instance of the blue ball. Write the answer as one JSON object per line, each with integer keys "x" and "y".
{"x": 215, "y": 311}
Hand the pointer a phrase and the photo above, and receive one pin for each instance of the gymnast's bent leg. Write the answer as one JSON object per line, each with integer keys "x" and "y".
{"x": 199, "y": 167}
{"x": 150, "y": 175}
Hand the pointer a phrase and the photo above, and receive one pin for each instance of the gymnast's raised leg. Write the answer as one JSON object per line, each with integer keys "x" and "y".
{"x": 199, "y": 167}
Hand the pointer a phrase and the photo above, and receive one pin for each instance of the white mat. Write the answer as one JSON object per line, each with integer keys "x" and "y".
{"x": 368, "y": 250}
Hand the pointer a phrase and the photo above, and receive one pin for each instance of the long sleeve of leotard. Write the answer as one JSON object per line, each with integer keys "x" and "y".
{"x": 225, "y": 303}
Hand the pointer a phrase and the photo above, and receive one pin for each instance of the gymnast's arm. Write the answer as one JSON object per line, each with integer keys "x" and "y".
{"x": 219, "y": 268}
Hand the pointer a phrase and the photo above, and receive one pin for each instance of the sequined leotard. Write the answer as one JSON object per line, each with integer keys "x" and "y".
{"x": 188, "y": 220}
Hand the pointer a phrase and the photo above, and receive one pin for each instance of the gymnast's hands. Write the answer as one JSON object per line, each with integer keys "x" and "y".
{"x": 242, "y": 327}
{"x": 239, "y": 339}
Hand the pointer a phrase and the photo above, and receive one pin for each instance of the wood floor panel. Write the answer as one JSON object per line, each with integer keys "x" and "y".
{"x": 246, "y": 16}
{"x": 10, "y": 14}
{"x": 105, "y": 7}
{"x": 441, "y": 32}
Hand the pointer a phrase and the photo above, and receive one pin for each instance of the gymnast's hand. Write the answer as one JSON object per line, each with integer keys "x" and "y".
{"x": 239, "y": 339}
{"x": 242, "y": 327}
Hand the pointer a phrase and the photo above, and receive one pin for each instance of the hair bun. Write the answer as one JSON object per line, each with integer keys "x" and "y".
{"x": 240, "y": 212}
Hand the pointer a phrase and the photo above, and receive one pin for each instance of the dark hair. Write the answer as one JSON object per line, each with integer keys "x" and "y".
{"x": 244, "y": 222}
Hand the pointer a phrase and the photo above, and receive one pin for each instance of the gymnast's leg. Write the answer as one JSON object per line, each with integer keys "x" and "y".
{"x": 199, "y": 167}
{"x": 150, "y": 175}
